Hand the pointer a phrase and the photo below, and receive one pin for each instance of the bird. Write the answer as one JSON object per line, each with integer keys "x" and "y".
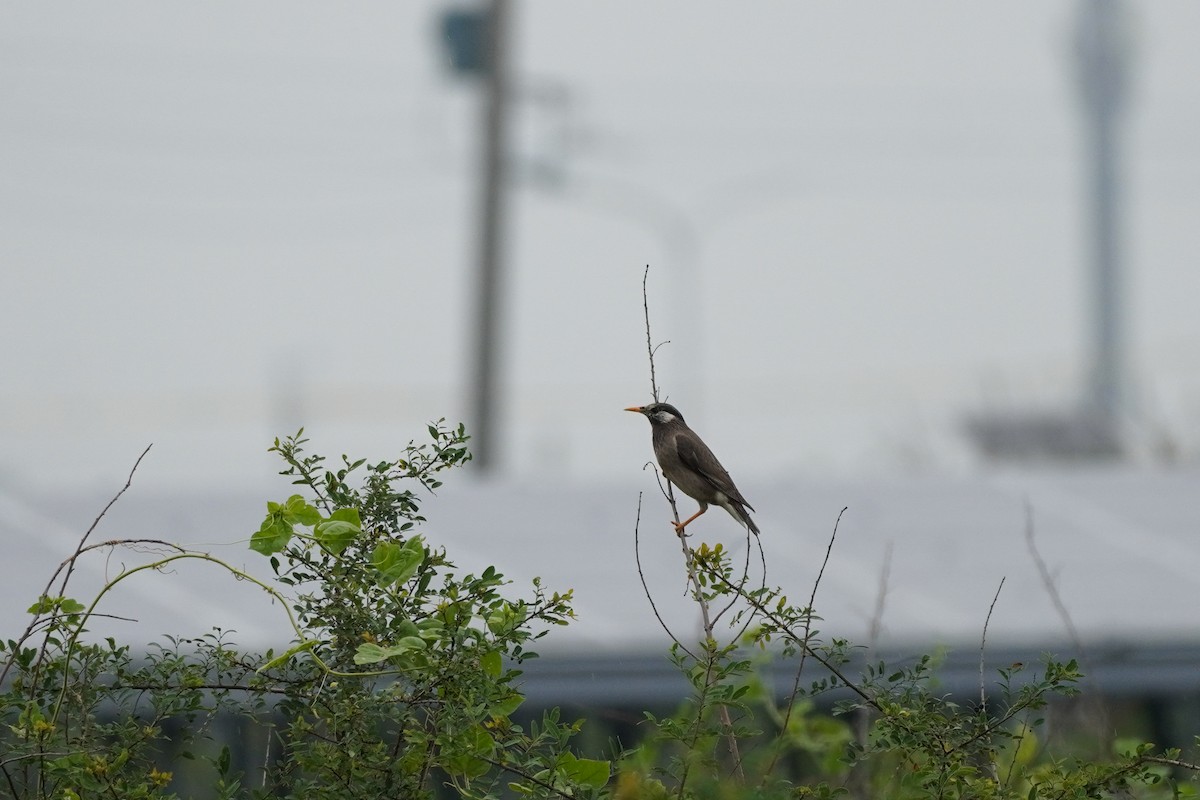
{"x": 688, "y": 463}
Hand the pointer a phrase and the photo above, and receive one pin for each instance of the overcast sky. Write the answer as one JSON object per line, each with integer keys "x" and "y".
{"x": 863, "y": 220}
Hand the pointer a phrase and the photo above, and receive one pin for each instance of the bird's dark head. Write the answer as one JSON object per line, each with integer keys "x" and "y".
{"x": 659, "y": 413}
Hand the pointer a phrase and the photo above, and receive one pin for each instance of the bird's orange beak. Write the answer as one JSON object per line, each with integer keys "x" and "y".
{"x": 638, "y": 409}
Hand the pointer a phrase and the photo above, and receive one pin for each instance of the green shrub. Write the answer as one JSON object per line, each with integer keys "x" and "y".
{"x": 400, "y": 682}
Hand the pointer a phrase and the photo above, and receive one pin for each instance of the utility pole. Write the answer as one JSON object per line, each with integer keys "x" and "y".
{"x": 1103, "y": 58}
{"x": 489, "y": 283}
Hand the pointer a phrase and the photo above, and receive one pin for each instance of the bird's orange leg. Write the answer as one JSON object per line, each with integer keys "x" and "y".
{"x": 679, "y": 526}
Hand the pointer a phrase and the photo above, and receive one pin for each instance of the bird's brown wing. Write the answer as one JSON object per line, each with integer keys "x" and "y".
{"x": 695, "y": 455}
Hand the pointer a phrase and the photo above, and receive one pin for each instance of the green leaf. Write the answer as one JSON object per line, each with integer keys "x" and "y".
{"x": 397, "y": 563}
{"x": 69, "y": 606}
{"x": 490, "y": 662}
{"x": 336, "y": 534}
{"x": 347, "y": 515}
{"x": 298, "y": 511}
{"x": 370, "y": 653}
{"x": 506, "y": 705}
{"x": 469, "y": 749}
{"x": 272, "y": 537}
{"x": 44, "y": 605}
{"x": 586, "y": 771}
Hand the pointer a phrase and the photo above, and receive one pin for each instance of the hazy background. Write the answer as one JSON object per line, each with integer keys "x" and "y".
{"x": 863, "y": 220}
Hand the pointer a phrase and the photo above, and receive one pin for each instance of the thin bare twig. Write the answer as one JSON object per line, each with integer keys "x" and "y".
{"x": 1172, "y": 762}
{"x": 62, "y": 589}
{"x": 1093, "y": 701}
{"x": 983, "y": 642}
{"x": 1048, "y": 582}
{"x": 983, "y": 688}
{"x": 812, "y": 597}
{"x": 804, "y": 647}
{"x": 651, "y": 348}
{"x": 859, "y": 779}
{"x": 520, "y": 772}
{"x": 637, "y": 554}
{"x": 885, "y": 574}
{"x": 801, "y": 641}
{"x": 734, "y": 599}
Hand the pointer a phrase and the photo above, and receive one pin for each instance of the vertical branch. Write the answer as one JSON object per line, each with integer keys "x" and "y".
{"x": 885, "y": 574}
{"x": 983, "y": 644}
{"x": 1049, "y": 584}
{"x": 651, "y": 349}
{"x": 689, "y": 560}
{"x": 650, "y": 346}
{"x": 1097, "y": 707}
{"x": 804, "y": 647}
{"x": 859, "y": 781}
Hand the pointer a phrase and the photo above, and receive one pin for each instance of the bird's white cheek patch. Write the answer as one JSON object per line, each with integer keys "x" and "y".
{"x": 664, "y": 416}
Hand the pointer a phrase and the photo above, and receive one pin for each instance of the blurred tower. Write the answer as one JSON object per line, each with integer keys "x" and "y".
{"x": 1095, "y": 428}
{"x": 1102, "y": 54}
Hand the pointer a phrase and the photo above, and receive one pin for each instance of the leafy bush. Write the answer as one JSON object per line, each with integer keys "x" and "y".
{"x": 400, "y": 682}
{"x": 400, "y": 678}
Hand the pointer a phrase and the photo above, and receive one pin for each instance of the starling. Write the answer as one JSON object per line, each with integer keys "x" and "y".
{"x": 687, "y": 462}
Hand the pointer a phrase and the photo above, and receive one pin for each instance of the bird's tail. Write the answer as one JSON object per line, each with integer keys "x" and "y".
{"x": 738, "y": 511}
